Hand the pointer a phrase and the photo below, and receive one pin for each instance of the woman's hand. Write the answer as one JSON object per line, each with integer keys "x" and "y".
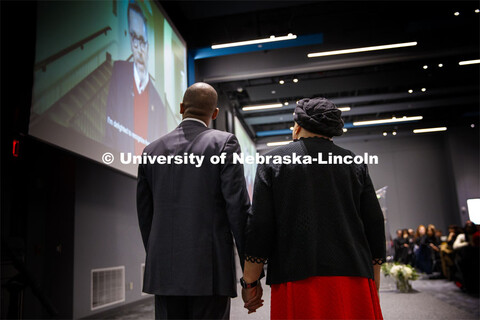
{"x": 253, "y": 298}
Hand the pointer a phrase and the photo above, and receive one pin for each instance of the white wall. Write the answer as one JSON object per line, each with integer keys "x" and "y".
{"x": 419, "y": 177}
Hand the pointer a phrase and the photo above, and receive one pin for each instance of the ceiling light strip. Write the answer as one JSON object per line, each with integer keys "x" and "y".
{"x": 263, "y": 106}
{"x": 392, "y": 120}
{"x": 278, "y": 143}
{"x": 363, "y": 49}
{"x": 257, "y": 41}
{"x": 430, "y": 130}
{"x": 467, "y": 62}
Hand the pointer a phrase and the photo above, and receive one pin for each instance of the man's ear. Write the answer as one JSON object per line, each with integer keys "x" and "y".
{"x": 215, "y": 113}
{"x": 182, "y": 108}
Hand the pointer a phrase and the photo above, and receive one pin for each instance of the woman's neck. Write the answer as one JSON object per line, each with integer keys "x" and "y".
{"x": 307, "y": 134}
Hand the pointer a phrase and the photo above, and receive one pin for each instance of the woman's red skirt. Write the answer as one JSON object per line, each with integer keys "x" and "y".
{"x": 326, "y": 298}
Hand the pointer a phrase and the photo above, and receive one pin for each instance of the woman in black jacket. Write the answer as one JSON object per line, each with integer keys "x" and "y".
{"x": 319, "y": 226}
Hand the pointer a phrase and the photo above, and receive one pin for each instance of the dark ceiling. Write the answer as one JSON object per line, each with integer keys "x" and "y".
{"x": 374, "y": 85}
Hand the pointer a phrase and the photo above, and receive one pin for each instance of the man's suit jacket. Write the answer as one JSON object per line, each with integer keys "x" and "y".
{"x": 187, "y": 215}
{"x": 120, "y": 109}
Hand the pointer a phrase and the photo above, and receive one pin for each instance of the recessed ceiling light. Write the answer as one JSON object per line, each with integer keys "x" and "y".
{"x": 425, "y": 67}
{"x": 456, "y": 13}
{"x": 385, "y": 134}
{"x": 410, "y": 91}
{"x": 262, "y": 106}
{"x": 472, "y": 125}
{"x": 424, "y": 89}
{"x": 440, "y": 65}
{"x": 281, "y": 82}
{"x": 363, "y": 49}
{"x": 477, "y": 10}
{"x": 248, "y": 42}
{"x": 466, "y": 62}
{"x": 426, "y": 130}
{"x": 295, "y": 80}
{"x": 394, "y": 133}
{"x": 345, "y": 129}
{"x": 285, "y": 103}
{"x": 278, "y": 143}
{"x": 392, "y": 120}
{"x": 273, "y": 91}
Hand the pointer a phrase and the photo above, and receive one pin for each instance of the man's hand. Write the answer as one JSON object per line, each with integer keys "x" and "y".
{"x": 253, "y": 298}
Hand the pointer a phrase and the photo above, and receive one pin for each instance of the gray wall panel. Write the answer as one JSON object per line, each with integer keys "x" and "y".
{"x": 417, "y": 174}
{"x": 106, "y": 232}
{"x": 463, "y": 148}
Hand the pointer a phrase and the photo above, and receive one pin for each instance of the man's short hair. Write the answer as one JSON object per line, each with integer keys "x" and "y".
{"x": 132, "y": 6}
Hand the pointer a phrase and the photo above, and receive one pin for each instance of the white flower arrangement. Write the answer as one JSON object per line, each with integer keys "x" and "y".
{"x": 402, "y": 273}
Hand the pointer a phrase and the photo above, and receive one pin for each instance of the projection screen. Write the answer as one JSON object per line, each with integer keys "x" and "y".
{"x": 109, "y": 77}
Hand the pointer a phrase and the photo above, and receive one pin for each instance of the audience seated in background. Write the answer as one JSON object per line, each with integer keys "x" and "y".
{"x": 454, "y": 257}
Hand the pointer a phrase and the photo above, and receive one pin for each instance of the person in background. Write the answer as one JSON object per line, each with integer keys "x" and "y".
{"x": 447, "y": 253}
{"x": 439, "y": 234}
{"x": 428, "y": 250}
{"x": 466, "y": 238}
{"x": 466, "y": 248}
{"x": 427, "y": 246}
{"x": 411, "y": 233}
{"x": 320, "y": 227}
{"x": 419, "y": 233}
{"x": 403, "y": 244}
{"x": 411, "y": 244}
{"x": 397, "y": 245}
{"x": 434, "y": 243}
{"x": 407, "y": 248}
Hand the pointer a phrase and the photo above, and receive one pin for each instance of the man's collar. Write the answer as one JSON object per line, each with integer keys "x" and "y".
{"x": 195, "y": 119}
{"x": 137, "y": 80}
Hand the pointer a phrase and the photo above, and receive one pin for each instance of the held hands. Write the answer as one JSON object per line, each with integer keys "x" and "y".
{"x": 253, "y": 298}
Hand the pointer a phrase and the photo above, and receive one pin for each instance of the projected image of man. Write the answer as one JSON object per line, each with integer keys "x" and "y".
{"x": 135, "y": 112}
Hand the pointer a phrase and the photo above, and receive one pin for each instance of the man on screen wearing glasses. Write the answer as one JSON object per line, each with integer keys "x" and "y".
{"x": 135, "y": 112}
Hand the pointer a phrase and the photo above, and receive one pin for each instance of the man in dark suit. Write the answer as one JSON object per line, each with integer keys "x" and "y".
{"x": 135, "y": 112}
{"x": 188, "y": 215}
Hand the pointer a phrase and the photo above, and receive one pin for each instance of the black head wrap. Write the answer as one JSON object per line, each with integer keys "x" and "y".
{"x": 319, "y": 116}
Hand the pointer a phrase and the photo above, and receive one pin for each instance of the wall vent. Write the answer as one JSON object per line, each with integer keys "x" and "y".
{"x": 107, "y": 286}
